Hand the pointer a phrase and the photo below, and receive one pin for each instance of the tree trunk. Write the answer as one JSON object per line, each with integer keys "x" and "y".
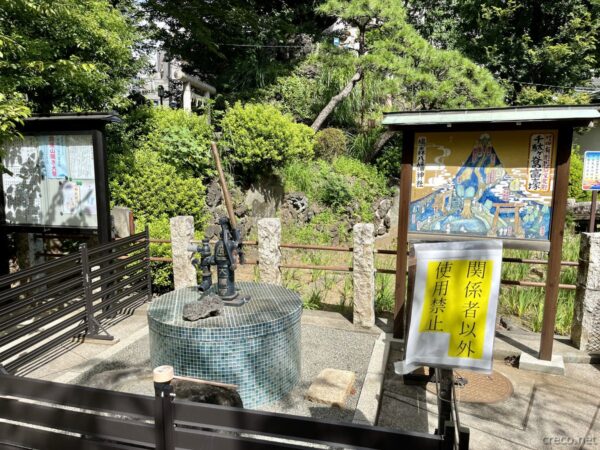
{"x": 383, "y": 139}
{"x": 335, "y": 100}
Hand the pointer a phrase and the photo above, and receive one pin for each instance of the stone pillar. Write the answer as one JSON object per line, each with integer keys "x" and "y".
{"x": 269, "y": 255}
{"x": 363, "y": 275}
{"x": 585, "y": 332}
{"x": 122, "y": 222}
{"x": 182, "y": 232}
{"x": 187, "y": 96}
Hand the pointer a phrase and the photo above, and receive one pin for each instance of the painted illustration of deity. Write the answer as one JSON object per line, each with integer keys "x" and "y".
{"x": 483, "y": 198}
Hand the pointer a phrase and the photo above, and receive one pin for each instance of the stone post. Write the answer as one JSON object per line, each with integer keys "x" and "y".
{"x": 269, "y": 255}
{"x": 363, "y": 275}
{"x": 585, "y": 332}
{"x": 182, "y": 232}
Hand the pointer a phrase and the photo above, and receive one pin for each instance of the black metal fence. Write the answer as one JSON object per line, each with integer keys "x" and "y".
{"x": 45, "y": 305}
{"x": 51, "y": 415}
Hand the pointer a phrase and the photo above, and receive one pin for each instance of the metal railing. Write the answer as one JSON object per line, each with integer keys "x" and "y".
{"x": 44, "y": 414}
{"x": 50, "y": 303}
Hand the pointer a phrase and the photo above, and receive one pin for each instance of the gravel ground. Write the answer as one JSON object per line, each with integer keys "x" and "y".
{"x": 322, "y": 347}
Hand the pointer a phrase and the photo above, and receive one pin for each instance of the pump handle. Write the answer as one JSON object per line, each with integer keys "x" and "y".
{"x": 226, "y": 196}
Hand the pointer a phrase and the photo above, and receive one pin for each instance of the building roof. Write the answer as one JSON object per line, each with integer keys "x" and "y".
{"x": 92, "y": 116}
{"x": 519, "y": 114}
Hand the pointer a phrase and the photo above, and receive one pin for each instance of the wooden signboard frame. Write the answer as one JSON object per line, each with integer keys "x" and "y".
{"x": 564, "y": 127}
{"x": 92, "y": 124}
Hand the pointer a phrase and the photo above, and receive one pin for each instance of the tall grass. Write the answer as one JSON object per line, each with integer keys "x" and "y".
{"x": 527, "y": 303}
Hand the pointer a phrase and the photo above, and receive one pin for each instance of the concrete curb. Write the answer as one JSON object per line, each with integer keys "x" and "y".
{"x": 369, "y": 401}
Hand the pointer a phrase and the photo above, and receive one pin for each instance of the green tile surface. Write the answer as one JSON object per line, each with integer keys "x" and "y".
{"x": 255, "y": 346}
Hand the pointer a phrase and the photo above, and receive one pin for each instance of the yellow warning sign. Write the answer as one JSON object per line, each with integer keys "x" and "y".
{"x": 456, "y": 300}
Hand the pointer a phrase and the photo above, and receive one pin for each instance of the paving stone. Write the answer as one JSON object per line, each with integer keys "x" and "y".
{"x": 332, "y": 387}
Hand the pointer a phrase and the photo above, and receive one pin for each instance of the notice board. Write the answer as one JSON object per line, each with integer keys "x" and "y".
{"x": 496, "y": 184}
{"x": 51, "y": 181}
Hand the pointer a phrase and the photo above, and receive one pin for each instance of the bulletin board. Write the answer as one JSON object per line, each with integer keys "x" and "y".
{"x": 51, "y": 181}
{"x": 496, "y": 184}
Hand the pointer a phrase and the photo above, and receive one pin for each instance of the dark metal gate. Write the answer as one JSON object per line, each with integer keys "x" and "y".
{"x": 45, "y": 305}
{"x": 46, "y": 415}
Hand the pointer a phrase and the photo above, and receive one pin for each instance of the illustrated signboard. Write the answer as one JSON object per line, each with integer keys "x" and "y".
{"x": 591, "y": 171}
{"x": 495, "y": 184}
{"x": 51, "y": 181}
{"x": 453, "y": 317}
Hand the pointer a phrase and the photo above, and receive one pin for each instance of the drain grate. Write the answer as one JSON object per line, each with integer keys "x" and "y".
{"x": 474, "y": 387}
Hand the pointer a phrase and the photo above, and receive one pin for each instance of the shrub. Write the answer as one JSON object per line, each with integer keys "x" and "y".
{"x": 335, "y": 191}
{"x": 182, "y": 139}
{"x": 259, "y": 138}
{"x": 295, "y": 95}
{"x": 162, "y": 272}
{"x": 330, "y": 143}
{"x": 576, "y": 177}
{"x": 153, "y": 189}
{"x": 344, "y": 182}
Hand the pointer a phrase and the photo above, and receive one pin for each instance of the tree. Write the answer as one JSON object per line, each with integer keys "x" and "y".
{"x": 237, "y": 45}
{"x": 547, "y": 42}
{"x": 404, "y": 70}
{"x": 12, "y": 113}
{"x": 66, "y": 55}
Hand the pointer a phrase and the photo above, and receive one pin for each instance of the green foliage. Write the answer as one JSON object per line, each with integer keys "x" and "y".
{"x": 293, "y": 94}
{"x": 329, "y": 143}
{"x": 67, "y": 55}
{"x": 527, "y": 303}
{"x": 237, "y": 46}
{"x": 390, "y": 159}
{"x": 182, "y": 139}
{"x": 12, "y": 113}
{"x": 154, "y": 189}
{"x": 335, "y": 192}
{"x": 259, "y": 138}
{"x": 534, "y": 96}
{"x": 162, "y": 272}
{"x": 551, "y": 42}
{"x": 576, "y": 177}
{"x": 346, "y": 184}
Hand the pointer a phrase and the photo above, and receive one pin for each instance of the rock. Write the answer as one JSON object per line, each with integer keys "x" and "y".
{"x": 332, "y": 387}
{"x": 213, "y": 194}
{"x": 297, "y": 200}
{"x": 384, "y": 206}
{"x": 387, "y": 222}
{"x": 381, "y": 231}
{"x": 208, "y": 306}
{"x": 212, "y": 231}
{"x": 207, "y": 393}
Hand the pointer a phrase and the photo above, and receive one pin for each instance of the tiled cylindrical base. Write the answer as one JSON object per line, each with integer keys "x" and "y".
{"x": 255, "y": 346}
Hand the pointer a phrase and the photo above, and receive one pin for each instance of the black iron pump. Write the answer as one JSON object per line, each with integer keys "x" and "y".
{"x": 227, "y": 255}
{"x": 228, "y": 250}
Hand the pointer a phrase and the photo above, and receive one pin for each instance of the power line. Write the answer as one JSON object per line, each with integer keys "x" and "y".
{"x": 587, "y": 88}
{"x": 262, "y": 46}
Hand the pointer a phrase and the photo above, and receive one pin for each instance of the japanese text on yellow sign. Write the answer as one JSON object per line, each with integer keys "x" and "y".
{"x": 456, "y": 301}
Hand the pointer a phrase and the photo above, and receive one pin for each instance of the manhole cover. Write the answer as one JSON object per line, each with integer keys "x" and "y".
{"x": 478, "y": 387}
